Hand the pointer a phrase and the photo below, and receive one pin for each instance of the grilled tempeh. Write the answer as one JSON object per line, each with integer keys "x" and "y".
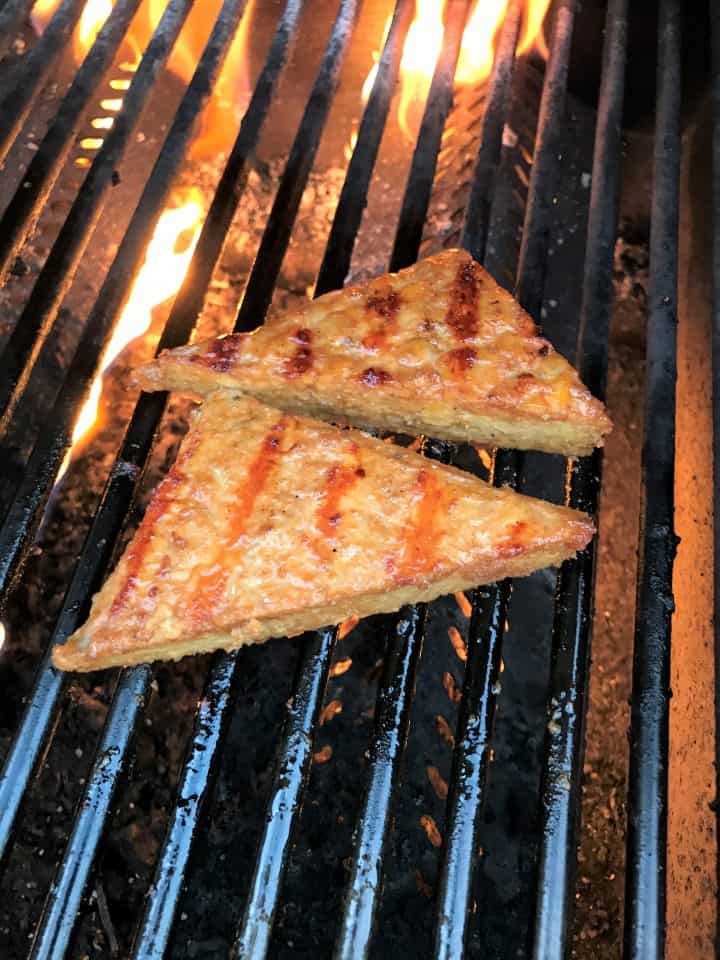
{"x": 438, "y": 349}
{"x": 271, "y": 524}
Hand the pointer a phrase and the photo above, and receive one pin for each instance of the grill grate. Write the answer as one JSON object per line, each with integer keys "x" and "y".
{"x": 563, "y": 750}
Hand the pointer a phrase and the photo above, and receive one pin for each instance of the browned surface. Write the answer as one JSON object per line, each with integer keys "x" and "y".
{"x": 298, "y": 526}
{"x": 438, "y": 349}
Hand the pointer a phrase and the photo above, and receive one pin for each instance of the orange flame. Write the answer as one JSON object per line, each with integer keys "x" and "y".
{"x": 232, "y": 88}
{"x": 424, "y": 42}
{"x": 478, "y": 42}
{"x": 160, "y": 277}
{"x": 91, "y": 22}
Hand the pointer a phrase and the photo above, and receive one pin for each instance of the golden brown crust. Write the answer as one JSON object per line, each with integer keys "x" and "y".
{"x": 438, "y": 349}
{"x": 272, "y": 524}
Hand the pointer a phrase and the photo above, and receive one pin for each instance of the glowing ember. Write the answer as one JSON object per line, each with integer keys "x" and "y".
{"x": 323, "y": 754}
{"x": 342, "y": 666}
{"x": 160, "y": 277}
{"x": 431, "y": 829}
{"x": 464, "y": 604}
{"x": 438, "y": 782}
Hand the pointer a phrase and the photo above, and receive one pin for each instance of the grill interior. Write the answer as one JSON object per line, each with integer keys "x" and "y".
{"x": 416, "y": 784}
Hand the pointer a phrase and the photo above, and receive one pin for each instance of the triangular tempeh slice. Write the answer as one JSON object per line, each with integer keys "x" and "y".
{"x": 438, "y": 349}
{"x": 270, "y": 524}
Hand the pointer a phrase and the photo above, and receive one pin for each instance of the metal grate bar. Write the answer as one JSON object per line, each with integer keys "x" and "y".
{"x": 416, "y": 200}
{"x": 538, "y": 215}
{"x": 60, "y": 912}
{"x": 477, "y": 215}
{"x": 35, "y": 321}
{"x": 388, "y": 743}
{"x": 191, "y": 296}
{"x": 34, "y": 70}
{"x": 61, "y": 907}
{"x": 293, "y": 766}
{"x": 19, "y": 217}
{"x": 647, "y": 794}
{"x": 470, "y": 761}
{"x": 195, "y": 785}
{"x": 471, "y": 756}
{"x": 288, "y": 788}
{"x": 715, "y": 40}
{"x": 348, "y": 214}
{"x": 274, "y": 243}
{"x": 484, "y": 637}
{"x": 24, "y": 513}
{"x": 573, "y": 617}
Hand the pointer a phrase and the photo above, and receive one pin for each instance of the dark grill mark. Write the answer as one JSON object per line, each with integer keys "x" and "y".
{"x": 212, "y": 580}
{"x": 339, "y": 480}
{"x": 222, "y": 354}
{"x": 374, "y": 377}
{"x": 461, "y": 359}
{"x": 514, "y": 542}
{"x": 302, "y": 360}
{"x": 422, "y": 533}
{"x": 386, "y": 307}
{"x": 462, "y": 311}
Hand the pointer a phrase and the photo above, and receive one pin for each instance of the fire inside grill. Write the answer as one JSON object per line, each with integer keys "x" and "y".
{"x": 452, "y": 780}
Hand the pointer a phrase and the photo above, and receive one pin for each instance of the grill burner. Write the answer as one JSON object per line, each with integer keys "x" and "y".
{"x": 278, "y": 840}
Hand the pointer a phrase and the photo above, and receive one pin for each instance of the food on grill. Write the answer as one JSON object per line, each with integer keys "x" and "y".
{"x": 270, "y": 524}
{"x": 438, "y": 349}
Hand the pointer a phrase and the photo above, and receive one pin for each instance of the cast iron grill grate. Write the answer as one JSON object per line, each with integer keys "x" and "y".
{"x": 563, "y": 748}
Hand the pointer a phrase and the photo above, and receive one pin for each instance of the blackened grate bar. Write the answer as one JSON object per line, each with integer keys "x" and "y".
{"x": 645, "y": 888}
{"x": 405, "y": 642}
{"x": 424, "y": 162}
{"x": 276, "y": 237}
{"x": 346, "y": 222}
